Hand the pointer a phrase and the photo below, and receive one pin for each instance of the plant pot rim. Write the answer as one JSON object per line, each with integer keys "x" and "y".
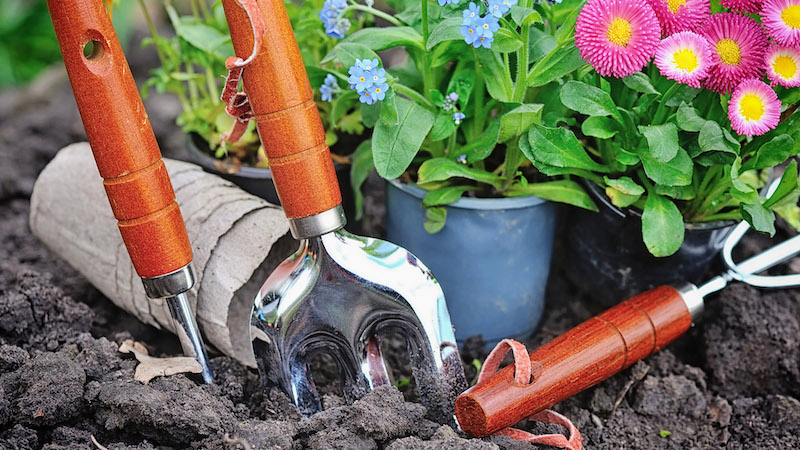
{"x": 481, "y": 204}
{"x": 628, "y": 212}
{"x": 208, "y": 162}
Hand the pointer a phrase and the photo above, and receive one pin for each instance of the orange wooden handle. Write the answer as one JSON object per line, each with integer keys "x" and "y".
{"x": 122, "y": 140}
{"x": 288, "y": 121}
{"x": 578, "y": 359}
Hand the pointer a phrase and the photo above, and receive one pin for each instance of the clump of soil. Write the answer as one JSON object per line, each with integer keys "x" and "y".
{"x": 732, "y": 382}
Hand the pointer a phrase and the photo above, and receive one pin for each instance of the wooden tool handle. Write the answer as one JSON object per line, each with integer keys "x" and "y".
{"x": 122, "y": 140}
{"x": 578, "y": 359}
{"x": 289, "y": 126}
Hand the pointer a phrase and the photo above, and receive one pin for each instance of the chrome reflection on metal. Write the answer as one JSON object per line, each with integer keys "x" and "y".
{"x": 188, "y": 333}
{"x": 173, "y": 286}
{"x": 693, "y": 299}
{"x": 173, "y": 283}
{"x": 318, "y": 224}
{"x": 338, "y": 294}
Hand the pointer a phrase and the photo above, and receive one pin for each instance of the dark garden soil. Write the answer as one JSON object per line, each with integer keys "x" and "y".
{"x": 732, "y": 382}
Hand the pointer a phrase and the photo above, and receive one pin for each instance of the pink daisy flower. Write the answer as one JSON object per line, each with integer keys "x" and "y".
{"x": 684, "y": 57}
{"x": 754, "y": 108}
{"x": 617, "y": 37}
{"x": 680, "y": 15}
{"x": 738, "y": 44}
{"x": 783, "y": 66}
{"x": 743, "y": 6}
{"x": 782, "y": 20}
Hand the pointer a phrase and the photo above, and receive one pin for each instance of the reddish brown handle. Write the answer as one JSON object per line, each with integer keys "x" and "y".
{"x": 122, "y": 140}
{"x": 576, "y": 360}
{"x": 288, "y": 121}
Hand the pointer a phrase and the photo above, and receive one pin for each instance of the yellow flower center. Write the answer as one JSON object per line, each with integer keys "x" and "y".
{"x": 619, "y": 32}
{"x": 785, "y": 67}
{"x": 729, "y": 52}
{"x": 674, "y": 5}
{"x": 361, "y": 79}
{"x": 471, "y": 31}
{"x": 378, "y": 90}
{"x": 685, "y": 60}
{"x": 791, "y": 16}
{"x": 751, "y": 107}
{"x": 486, "y": 26}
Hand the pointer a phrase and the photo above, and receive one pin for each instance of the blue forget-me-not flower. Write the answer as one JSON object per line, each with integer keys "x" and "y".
{"x": 447, "y": 2}
{"x": 368, "y": 80}
{"x": 328, "y": 88}
{"x": 332, "y": 17}
{"x": 478, "y": 31}
{"x": 499, "y": 8}
{"x": 458, "y": 117}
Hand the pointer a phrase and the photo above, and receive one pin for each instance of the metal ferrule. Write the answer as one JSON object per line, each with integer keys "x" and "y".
{"x": 693, "y": 299}
{"x": 318, "y": 224}
{"x": 171, "y": 284}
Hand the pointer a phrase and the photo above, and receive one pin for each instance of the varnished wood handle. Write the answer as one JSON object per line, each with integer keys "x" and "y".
{"x": 122, "y": 140}
{"x": 288, "y": 120}
{"x": 578, "y": 359}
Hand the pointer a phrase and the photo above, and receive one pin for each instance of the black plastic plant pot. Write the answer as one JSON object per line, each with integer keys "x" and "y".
{"x": 610, "y": 262}
{"x": 258, "y": 181}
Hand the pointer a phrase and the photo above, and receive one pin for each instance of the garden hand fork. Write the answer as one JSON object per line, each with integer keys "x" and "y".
{"x": 129, "y": 160}
{"x": 339, "y": 292}
{"x": 612, "y": 341}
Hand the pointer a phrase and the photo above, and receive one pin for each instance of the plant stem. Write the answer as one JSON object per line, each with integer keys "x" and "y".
{"x": 211, "y": 81}
{"x": 521, "y": 84}
{"x": 427, "y": 74}
{"x": 413, "y": 95}
{"x": 477, "y": 100}
{"x": 730, "y": 215}
{"x": 151, "y": 26}
{"x": 660, "y": 115}
{"x": 451, "y": 145}
{"x": 377, "y": 13}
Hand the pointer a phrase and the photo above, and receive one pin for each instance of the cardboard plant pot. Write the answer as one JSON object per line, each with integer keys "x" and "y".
{"x": 610, "y": 262}
{"x": 492, "y": 257}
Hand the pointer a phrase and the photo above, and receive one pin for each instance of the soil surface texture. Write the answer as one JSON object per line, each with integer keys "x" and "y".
{"x": 732, "y": 382}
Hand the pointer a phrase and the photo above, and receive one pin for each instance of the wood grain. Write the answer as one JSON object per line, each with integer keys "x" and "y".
{"x": 578, "y": 359}
{"x": 122, "y": 140}
{"x": 287, "y": 117}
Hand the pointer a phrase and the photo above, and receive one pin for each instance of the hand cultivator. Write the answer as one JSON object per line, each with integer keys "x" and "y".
{"x": 339, "y": 292}
{"x": 610, "y": 342}
{"x": 129, "y": 161}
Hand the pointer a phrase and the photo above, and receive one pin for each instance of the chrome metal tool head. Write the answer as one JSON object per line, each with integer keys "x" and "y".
{"x": 339, "y": 294}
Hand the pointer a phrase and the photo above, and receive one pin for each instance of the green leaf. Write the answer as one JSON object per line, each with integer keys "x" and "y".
{"x": 600, "y": 127}
{"x": 341, "y": 105}
{"x": 676, "y": 172}
{"x": 662, "y": 140}
{"x": 735, "y": 181}
{"x": 196, "y": 34}
{"x": 517, "y": 121}
{"x": 676, "y": 192}
{"x": 370, "y": 114}
{"x": 521, "y": 15}
{"x": 562, "y": 191}
{"x": 558, "y": 147}
{"x": 759, "y": 217}
{"x": 444, "y": 196}
{"x": 566, "y": 31}
{"x": 712, "y": 139}
{"x": 559, "y": 62}
{"x": 774, "y": 152}
{"x": 786, "y": 186}
{"x": 639, "y": 82}
{"x": 394, "y": 146}
{"x": 664, "y": 433}
{"x": 621, "y": 199}
{"x": 440, "y": 169}
{"x": 588, "y": 100}
{"x": 378, "y": 39}
{"x": 662, "y": 225}
{"x": 446, "y": 30}
{"x": 505, "y": 41}
{"x": 540, "y": 43}
{"x": 443, "y": 127}
{"x": 348, "y": 52}
{"x": 461, "y": 83}
{"x": 359, "y": 171}
{"x": 435, "y": 218}
{"x": 482, "y": 147}
{"x": 688, "y": 119}
{"x": 494, "y": 75}
{"x": 388, "y": 114}
{"x": 625, "y": 185}
{"x": 684, "y": 94}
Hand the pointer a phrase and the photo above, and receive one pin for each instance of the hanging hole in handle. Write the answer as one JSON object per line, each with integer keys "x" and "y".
{"x": 93, "y": 50}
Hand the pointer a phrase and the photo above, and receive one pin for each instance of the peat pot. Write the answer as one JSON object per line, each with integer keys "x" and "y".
{"x": 609, "y": 260}
{"x": 492, "y": 257}
{"x": 258, "y": 181}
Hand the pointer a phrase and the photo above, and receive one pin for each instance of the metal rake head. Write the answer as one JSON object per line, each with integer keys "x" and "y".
{"x": 338, "y": 294}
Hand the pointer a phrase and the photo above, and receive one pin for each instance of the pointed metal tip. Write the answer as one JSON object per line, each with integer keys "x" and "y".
{"x": 189, "y": 334}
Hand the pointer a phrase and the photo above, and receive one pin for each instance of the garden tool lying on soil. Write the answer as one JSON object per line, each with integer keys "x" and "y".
{"x": 129, "y": 160}
{"x": 610, "y": 342}
{"x": 339, "y": 292}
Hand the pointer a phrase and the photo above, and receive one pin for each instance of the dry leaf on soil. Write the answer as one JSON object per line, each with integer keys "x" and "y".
{"x": 150, "y": 367}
